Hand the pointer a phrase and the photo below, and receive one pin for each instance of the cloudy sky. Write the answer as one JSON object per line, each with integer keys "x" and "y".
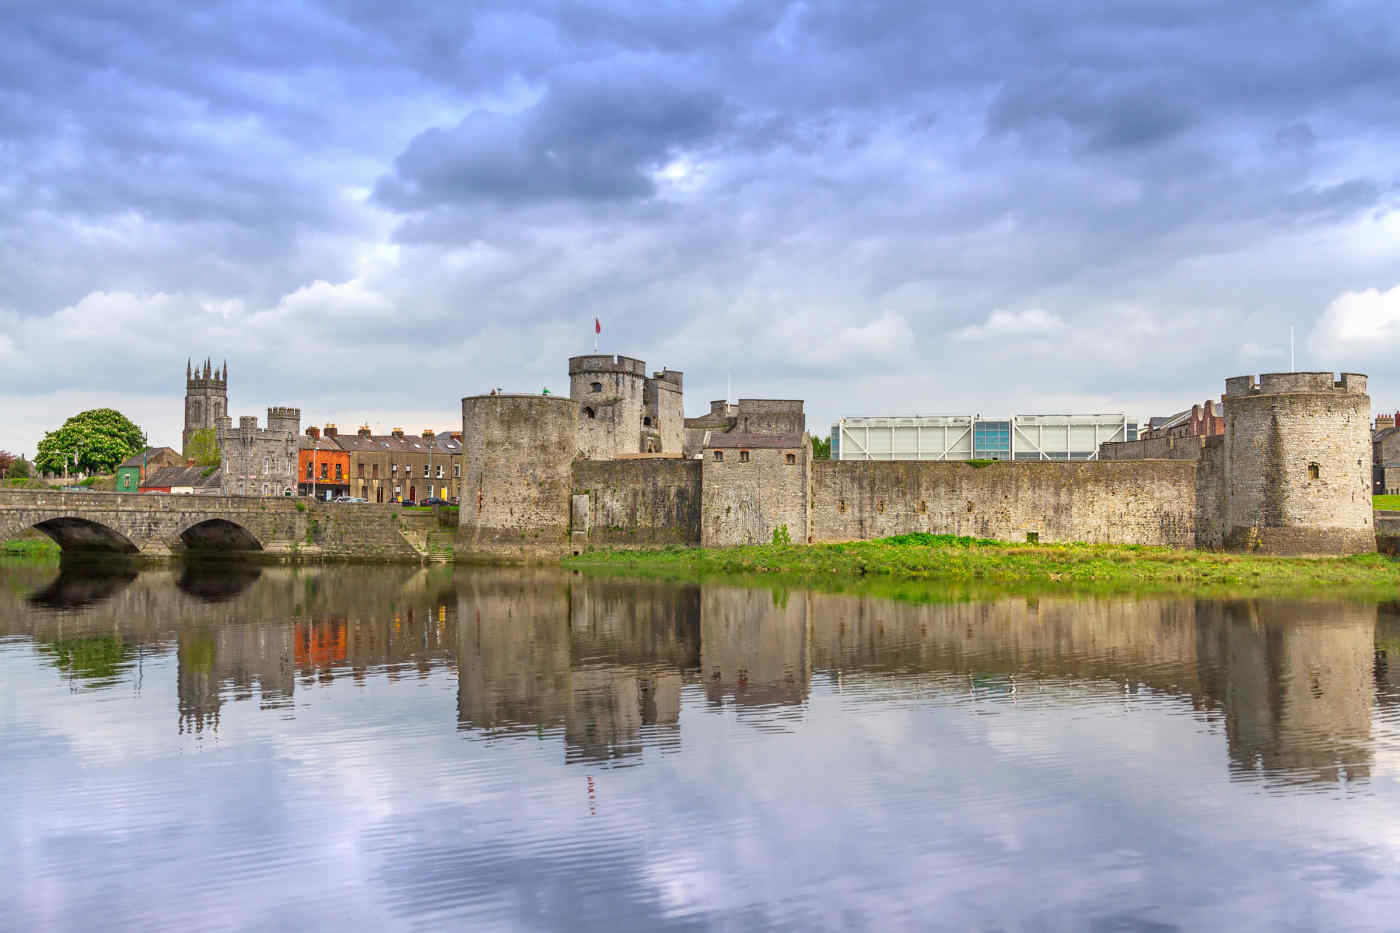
{"x": 372, "y": 210}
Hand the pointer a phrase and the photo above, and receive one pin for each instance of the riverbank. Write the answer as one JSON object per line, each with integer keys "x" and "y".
{"x": 945, "y": 559}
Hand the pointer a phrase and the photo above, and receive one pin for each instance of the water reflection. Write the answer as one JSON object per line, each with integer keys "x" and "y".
{"x": 606, "y": 665}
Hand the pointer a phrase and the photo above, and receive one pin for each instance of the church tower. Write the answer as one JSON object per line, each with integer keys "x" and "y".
{"x": 206, "y": 398}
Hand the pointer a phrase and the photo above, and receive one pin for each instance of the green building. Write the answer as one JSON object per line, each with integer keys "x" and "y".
{"x": 132, "y": 470}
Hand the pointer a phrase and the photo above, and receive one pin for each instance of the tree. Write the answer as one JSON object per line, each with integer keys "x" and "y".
{"x": 821, "y": 448}
{"x": 203, "y": 448}
{"x": 20, "y": 469}
{"x": 101, "y": 439}
{"x": 7, "y": 460}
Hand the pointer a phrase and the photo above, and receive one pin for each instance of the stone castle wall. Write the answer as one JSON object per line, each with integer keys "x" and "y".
{"x": 639, "y": 503}
{"x": 1148, "y": 502}
{"x": 517, "y": 459}
{"x": 746, "y": 502}
{"x": 1297, "y": 458}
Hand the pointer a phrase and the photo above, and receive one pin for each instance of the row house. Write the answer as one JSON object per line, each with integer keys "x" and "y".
{"x": 395, "y": 467}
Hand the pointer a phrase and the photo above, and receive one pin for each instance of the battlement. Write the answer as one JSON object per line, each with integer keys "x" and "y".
{"x": 248, "y": 423}
{"x": 1295, "y": 383}
{"x": 607, "y": 364}
{"x": 284, "y": 412}
{"x": 669, "y": 378}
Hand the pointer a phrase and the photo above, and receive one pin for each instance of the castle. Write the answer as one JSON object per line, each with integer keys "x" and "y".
{"x": 253, "y": 461}
{"x": 545, "y": 475}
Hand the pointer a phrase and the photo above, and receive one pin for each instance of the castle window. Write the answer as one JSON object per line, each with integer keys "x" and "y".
{"x": 743, "y": 456}
{"x": 267, "y": 465}
{"x": 719, "y": 455}
{"x": 1313, "y": 471}
{"x": 790, "y": 459}
{"x": 597, "y": 387}
{"x": 589, "y": 412}
{"x": 647, "y": 421}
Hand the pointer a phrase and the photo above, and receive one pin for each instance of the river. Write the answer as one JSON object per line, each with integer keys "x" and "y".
{"x": 225, "y": 747}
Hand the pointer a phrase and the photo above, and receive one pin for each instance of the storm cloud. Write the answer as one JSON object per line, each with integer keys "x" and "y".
{"x": 882, "y": 208}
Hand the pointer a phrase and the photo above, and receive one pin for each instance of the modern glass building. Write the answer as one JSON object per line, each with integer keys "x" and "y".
{"x": 972, "y": 437}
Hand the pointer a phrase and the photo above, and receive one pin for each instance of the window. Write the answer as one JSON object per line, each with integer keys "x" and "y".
{"x": 325, "y": 468}
{"x": 267, "y": 490}
{"x": 308, "y": 469}
{"x": 743, "y": 456}
{"x": 597, "y": 387}
{"x": 1313, "y": 471}
{"x": 789, "y": 459}
{"x": 394, "y": 469}
{"x": 457, "y": 470}
{"x": 719, "y": 455}
{"x": 426, "y": 474}
{"x": 589, "y": 413}
{"x": 360, "y": 470}
{"x": 647, "y": 421}
{"x": 338, "y": 474}
{"x": 374, "y": 471}
{"x": 267, "y": 467}
{"x": 439, "y": 471}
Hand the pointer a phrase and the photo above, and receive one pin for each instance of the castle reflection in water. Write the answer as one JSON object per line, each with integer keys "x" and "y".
{"x": 606, "y": 664}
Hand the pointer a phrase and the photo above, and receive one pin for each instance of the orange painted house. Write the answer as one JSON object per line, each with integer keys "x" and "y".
{"x": 322, "y": 465}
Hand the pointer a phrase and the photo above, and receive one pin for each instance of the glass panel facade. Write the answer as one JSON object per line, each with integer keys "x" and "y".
{"x": 991, "y": 440}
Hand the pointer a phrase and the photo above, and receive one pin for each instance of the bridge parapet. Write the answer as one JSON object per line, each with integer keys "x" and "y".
{"x": 160, "y": 525}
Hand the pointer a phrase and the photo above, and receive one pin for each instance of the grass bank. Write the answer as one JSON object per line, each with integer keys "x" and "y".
{"x": 37, "y": 547}
{"x": 949, "y": 561}
{"x": 1387, "y": 503}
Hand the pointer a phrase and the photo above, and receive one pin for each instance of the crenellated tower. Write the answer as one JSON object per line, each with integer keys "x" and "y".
{"x": 206, "y": 397}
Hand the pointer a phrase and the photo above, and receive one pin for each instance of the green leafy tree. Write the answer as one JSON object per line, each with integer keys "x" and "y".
{"x": 821, "y": 448}
{"x": 101, "y": 438}
{"x": 203, "y": 448}
{"x": 20, "y": 469}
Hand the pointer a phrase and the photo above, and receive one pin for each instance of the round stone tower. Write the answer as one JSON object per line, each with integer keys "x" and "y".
{"x": 1298, "y": 464}
{"x": 517, "y": 474}
{"x": 609, "y": 391}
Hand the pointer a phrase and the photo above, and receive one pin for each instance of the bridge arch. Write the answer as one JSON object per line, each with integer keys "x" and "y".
{"x": 83, "y": 535}
{"x": 219, "y": 534}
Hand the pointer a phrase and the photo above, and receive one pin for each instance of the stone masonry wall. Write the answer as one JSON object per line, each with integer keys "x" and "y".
{"x": 1297, "y": 462}
{"x": 640, "y": 503}
{"x": 517, "y": 458}
{"x": 1142, "y": 502}
{"x": 745, "y": 502}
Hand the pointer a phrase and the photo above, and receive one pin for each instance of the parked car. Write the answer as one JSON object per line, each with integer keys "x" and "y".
{"x": 348, "y": 499}
{"x": 433, "y": 500}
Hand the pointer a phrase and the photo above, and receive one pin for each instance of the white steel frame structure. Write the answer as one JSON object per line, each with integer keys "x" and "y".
{"x": 968, "y": 437}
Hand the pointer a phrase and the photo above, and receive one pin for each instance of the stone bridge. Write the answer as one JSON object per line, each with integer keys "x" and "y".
{"x": 158, "y": 525}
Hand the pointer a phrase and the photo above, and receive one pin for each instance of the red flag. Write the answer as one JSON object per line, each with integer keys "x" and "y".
{"x": 597, "y": 327}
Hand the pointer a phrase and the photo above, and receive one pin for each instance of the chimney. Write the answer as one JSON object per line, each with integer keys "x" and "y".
{"x": 428, "y": 434}
{"x": 364, "y": 431}
{"x": 397, "y": 432}
{"x": 330, "y": 430}
{"x": 313, "y": 432}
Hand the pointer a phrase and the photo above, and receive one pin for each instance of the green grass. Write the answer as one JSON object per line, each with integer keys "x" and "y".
{"x": 917, "y": 561}
{"x": 1389, "y": 503}
{"x": 30, "y": 548}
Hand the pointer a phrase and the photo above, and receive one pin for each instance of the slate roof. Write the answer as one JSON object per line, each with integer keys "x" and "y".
{"x": 754, "y": 441}
{"x": 149, "y": 456}
{"x": 442, "y": 443}
{"x": 180, "y": 476}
